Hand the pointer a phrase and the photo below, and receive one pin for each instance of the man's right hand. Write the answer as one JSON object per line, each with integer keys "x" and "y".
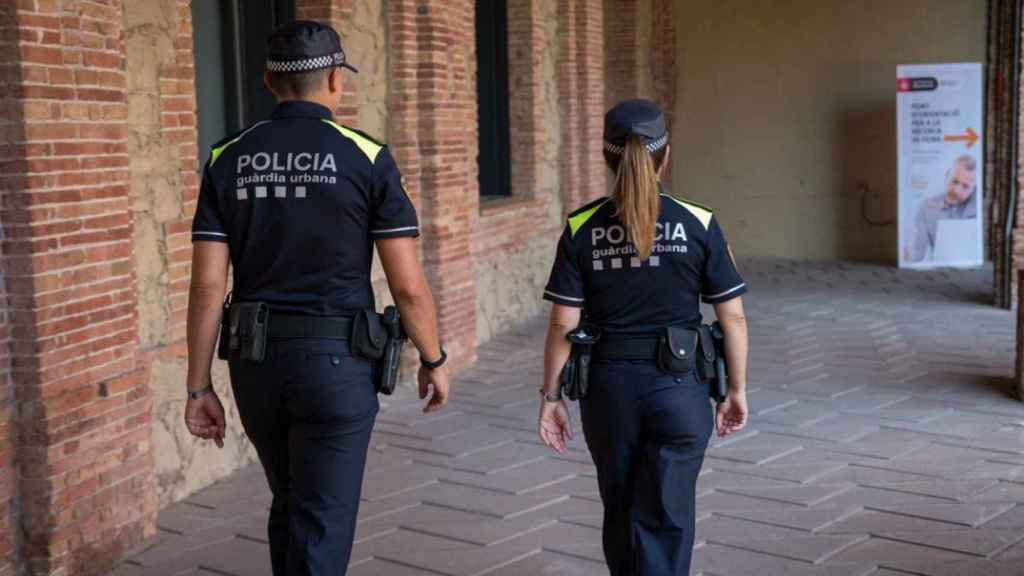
{"x": 438, "y": 379}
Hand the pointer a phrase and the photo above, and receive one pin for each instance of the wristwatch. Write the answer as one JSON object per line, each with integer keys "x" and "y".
{"x": 197, "y": 394}
{"x": 435, "y": 364}
{"x": 556, "y": 397}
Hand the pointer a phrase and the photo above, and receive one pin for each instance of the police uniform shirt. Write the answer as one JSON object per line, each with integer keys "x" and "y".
{"x": 596, "y": 268}
{"x": 299, "y": 199}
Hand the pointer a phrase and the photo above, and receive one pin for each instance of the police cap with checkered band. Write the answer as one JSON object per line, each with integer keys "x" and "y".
{"x": 304, "y": 46}
{"x": 640, "y": 118}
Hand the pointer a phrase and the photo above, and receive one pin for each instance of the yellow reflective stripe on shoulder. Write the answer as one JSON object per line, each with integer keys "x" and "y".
{"x": 700, "y": 212}
{"x": 369, "y": 147}
{"x": 576, "y": 222}
{"x": 216, "y": 152}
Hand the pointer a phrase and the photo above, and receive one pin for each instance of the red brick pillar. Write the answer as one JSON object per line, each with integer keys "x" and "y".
{"x": 337, "y": 13}
{"x": 10, "y": 152}
{"x": 621, "y": 50}
{"x": 663, "y": 67}
{"x": 590, "y": 61}
{"x": 568, "y": 92}
{"x": 433, "y": 118}
{"x": 581, "y": 87}
{"x": 1020, "y": 339}
{"x": 85, "y": 484}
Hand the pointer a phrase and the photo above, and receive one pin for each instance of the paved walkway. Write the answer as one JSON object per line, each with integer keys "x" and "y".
{"x": 884, "y": 441}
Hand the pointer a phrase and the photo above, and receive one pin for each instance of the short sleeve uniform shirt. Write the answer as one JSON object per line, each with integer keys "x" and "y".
{"x": 596, "y": 268}
{"x": 299, "y": 199}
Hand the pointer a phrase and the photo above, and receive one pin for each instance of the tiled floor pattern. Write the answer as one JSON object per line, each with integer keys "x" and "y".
{"x": 883, "y": 441}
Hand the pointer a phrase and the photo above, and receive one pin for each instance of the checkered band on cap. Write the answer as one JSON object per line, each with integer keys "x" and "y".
{"x": 306, "y": 65}
{"x": 652, "y": 146}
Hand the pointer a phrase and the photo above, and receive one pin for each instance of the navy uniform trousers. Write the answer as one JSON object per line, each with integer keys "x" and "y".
{"x": 647, "y": 432}
{"x": 309, "y": 408}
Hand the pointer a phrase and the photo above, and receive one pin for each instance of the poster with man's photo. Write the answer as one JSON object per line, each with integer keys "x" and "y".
{"x": 940, "y": 146}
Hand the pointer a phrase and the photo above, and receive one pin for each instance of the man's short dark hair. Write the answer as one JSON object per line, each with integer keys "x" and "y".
{"x": 298, "y": 84}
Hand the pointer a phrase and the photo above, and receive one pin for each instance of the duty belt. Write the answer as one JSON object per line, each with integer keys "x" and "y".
{"x": 326, "y": 327}
{"x": 640, "y": 348}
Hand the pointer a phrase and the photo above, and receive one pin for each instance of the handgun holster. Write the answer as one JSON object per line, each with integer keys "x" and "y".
{"x": 247, "y": 331}
{"x": 575, "y": 376}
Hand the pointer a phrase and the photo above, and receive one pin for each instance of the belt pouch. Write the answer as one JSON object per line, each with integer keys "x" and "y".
{"x": 676, "y": 350}
{"x": 369, "y": 338}
{"x": 706, "y": 354}
{"x": 249, "y": 330}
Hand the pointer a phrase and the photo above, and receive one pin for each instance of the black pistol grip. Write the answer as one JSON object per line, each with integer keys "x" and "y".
{"x": 721, "y": 380}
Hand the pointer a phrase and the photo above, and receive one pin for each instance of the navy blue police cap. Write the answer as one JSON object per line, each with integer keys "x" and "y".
{"x": 304, "y": 46}
{"x": 640, "y": 118}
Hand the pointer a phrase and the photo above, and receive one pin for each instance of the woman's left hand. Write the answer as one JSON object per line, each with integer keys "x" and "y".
{"x": 554, "y": 425}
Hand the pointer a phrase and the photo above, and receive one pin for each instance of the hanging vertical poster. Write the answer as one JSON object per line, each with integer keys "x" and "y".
{"x": 939, "y": 112}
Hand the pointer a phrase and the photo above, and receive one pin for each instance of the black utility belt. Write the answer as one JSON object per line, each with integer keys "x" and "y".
{"x": 329, "y": 328}
{"x": 634, "y": 349}
{"x": 677, "y": 350}
{"x": 377, "y": 338}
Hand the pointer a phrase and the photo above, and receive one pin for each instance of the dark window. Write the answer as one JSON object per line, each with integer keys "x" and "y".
{"x": 492, "y": 97}
{"x": 229, "y": 43}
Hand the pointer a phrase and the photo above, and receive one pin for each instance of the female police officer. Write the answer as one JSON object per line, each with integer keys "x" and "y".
{"x": 637, "y": 264}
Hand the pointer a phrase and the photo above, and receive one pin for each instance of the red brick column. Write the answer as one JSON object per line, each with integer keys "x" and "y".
{"x": 85, "y": 482}
{"x": 590, "y": 62}
{"x": 1019, "y": 388}
{"x": 581, "y": 83}
{"x": 525, "y": 42}
{"x": 178, "y": 125}
{"x": 621, "y": 50}
{"x": 569, "y": 91}
{"x": 433, "y": 119}
{"x": 337, "y": 13}
{"x": 663, "y": 67}
{"x": 10, "y": 154}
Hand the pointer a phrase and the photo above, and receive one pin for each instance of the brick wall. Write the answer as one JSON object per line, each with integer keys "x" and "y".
{"x": 11, "y": 135}
{"x": 337, "y": 13}
{"x": 640, "y": 48}
{"x": 622, "y": 46}
{"x": 164, "y": 163}
{"x": 590, "y": 69}
{"x": 432, "y": 109}
{"x": 581, "y": 87}
{"x": 97, "y": 188}
{"x": 85, "y": 478}
{"x": 663, "y": 67}
{"x": 515, "y": 237}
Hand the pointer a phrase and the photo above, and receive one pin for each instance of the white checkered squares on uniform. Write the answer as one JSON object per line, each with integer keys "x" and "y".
{"x": 265, "y": 192}
{"x": 303, "y": 65}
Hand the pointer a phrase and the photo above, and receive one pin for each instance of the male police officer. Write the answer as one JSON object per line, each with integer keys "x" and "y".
{"x": 295, "y": 202}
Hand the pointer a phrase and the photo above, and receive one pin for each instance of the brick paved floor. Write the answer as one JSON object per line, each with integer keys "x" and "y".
{"x": 883, "y": 441}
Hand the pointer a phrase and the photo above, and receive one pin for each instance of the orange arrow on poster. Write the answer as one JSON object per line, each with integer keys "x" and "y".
{"x": 970, "y": 137}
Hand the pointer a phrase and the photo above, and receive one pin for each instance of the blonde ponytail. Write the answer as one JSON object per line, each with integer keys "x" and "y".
{"x": 636, "y": 195}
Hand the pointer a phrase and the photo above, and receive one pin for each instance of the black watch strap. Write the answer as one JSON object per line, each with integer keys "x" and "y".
{"x": 437, "y": 363}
